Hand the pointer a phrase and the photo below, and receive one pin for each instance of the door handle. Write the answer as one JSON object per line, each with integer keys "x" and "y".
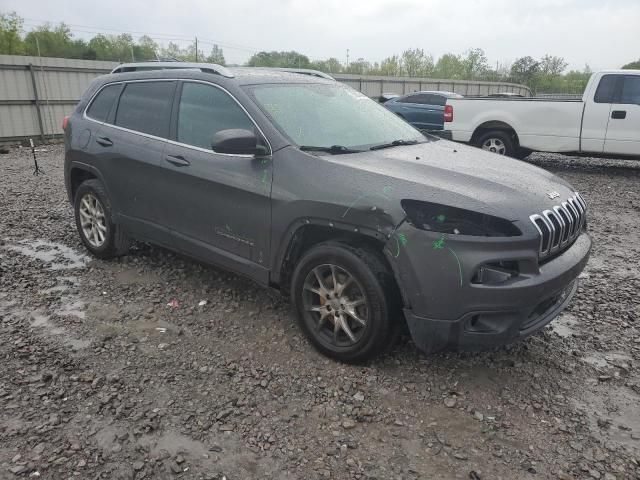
{"x": 619, "y": 114}
{"x": 104, "y": 141}
{"x": 177, "y": 160}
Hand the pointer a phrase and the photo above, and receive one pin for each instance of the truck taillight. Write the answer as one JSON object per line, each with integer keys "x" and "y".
{"x": 448, "y": 113}
{"x": 65, "y": 122}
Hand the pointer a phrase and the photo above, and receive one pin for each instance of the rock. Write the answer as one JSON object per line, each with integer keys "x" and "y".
{"x": 137, "y": 466}
{"x": 179, "y": 459}
{"x": 478, "y": 416}
{"x": 18, "y": 469}
{"x": 359, "y": 397}
{"x": 450, "y": 402}
{"x": 460, "y": 456}
{"x": 175, "y": 468}
{"x": 348, "y": 424}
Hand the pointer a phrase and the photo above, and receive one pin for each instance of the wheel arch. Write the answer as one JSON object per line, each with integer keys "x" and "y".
{"x": 78, "y": 173}
{"x": 490, "y": 125}
{"x": 306, "y": 233}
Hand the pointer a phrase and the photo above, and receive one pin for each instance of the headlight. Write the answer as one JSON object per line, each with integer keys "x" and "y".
{"x": 457, "y": 221}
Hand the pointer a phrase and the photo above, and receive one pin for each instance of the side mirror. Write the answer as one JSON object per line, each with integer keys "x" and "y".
{"x": 238, "y": 142}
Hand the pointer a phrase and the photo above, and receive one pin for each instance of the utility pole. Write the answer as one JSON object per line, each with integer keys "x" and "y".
{"x": 196, "y": 49}
{"x": 347, "y": 58}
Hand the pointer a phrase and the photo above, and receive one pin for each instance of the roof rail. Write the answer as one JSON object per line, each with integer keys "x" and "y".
{"x": 302, "y": 71}
{"x": 155, "y": 65}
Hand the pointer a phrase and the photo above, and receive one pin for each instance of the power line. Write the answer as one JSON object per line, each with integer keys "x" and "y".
{"x": 33, "y": 22}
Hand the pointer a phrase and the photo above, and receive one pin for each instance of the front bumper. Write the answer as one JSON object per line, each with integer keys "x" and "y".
{"x": 446, "y": 310}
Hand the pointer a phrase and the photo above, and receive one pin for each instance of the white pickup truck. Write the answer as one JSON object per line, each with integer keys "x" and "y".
{"x": 606, "y": 121}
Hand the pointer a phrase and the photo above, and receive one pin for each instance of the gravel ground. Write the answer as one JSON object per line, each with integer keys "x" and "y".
{"x": 101, "y": 378}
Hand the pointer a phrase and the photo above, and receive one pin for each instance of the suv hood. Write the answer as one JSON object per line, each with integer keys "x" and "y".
{"x": 458, "y": 175}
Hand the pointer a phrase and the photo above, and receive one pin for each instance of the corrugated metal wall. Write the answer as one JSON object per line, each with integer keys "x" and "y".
{"x": 374, "y": 86}
{"x": 36, "y": 93}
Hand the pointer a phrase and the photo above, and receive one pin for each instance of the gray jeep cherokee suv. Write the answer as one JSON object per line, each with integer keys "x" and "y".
{"x": 304, "y": 184}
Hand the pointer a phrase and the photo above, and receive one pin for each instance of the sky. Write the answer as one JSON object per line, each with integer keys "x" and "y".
{"x": 601, "y": 33}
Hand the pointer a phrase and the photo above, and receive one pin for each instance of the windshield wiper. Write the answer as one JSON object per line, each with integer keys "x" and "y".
{"x": 395, "y": 143}
{"x": 334, "y": 149}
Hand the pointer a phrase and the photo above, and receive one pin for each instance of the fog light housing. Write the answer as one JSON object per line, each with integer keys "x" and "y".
{"x": 496, "y": 273}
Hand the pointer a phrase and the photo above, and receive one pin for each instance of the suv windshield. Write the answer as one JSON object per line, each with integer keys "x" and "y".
{"x": 327, "y": 115}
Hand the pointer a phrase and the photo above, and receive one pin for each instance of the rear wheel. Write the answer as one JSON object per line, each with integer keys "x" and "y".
{"x": 100, "y": 235}
{"x": 342, "y": 300}
{"x": 497, "y": 141}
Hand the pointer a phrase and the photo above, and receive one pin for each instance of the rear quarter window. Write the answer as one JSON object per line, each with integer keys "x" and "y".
{"x": 103, "y": 103}
{"x": 146, "y": 107}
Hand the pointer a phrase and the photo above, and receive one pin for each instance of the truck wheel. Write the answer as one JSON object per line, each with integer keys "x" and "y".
{"x": 100, "y": 235}
{"x": 341, "y": 295}
{"x": 497, "y": 141}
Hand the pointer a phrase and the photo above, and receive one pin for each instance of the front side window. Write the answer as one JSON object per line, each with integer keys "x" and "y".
{"x": 205, "y": 110}
{"x": 631, "y": 90}
{"x": 103, "y": 103}
{"x": 146, "y": 107}
{"x": 606, "y": 89}
{"x": 324, "y": 115}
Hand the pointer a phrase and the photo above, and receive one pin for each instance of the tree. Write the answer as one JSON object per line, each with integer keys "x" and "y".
{"x": 330, "y": 65}
{"x": 449, "y": 66}
{"x": 216, "y": 55}
{"x": 632, "y": 66}
{"x": 290, "y": 59}
{"x": 358, "y": 67}
{"x": 415, "y": 63}
{"x": 524, "y": 70}
{"x": 10, "y": 29}
{"x": 475, "y": 64}
{"x": 391, "y": 66}
{"x": 552, "y": 66}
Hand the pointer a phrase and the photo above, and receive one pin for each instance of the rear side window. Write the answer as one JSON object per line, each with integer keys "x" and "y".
{"x": 103, "y": 103}
{"x": 146, "y": 107}
{"x": 606, "y": 89}
{"x": 438, "y": 100}
{"x": 205, "y": 110}
{"x": 631, "y": 89}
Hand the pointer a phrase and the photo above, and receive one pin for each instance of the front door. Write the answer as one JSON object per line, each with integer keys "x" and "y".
{"x": 623, "y": 134}
{"x": 218, "y": 205}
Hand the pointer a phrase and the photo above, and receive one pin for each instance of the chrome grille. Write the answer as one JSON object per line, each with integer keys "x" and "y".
{"x": 560, "y": 225}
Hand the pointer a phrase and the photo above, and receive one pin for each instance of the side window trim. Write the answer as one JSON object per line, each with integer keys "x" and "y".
{"x": 173, "y": 128}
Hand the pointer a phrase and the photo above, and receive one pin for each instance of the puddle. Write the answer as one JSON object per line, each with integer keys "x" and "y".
{"x": 613, "y": 413}
{"x": 43, "y": 322}
{"x": 55, "y": 255}
{"x": 565, "y": 325}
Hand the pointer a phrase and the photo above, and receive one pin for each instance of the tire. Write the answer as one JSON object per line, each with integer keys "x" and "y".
{"x": 108, "y": 239}
{"x": 499, "y": 142}
{"x": 371, "y": 296}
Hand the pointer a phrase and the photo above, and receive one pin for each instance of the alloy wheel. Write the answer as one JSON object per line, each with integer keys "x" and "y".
{"x": 336, "y": 304}
{"x": 92, "y": 220}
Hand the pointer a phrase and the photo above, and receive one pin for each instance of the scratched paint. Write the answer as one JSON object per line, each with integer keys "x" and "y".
{"x": 386, "y": 191}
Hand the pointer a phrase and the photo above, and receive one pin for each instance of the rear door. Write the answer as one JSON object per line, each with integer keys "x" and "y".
{"x": 130, "y": 147}
{"x": 218, "y": 205}
{"x": 623, "y": 133}
{"x": 419, "y": 110}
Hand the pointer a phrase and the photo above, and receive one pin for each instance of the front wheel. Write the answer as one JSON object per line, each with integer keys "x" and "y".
{"x": 343, "y": 303}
